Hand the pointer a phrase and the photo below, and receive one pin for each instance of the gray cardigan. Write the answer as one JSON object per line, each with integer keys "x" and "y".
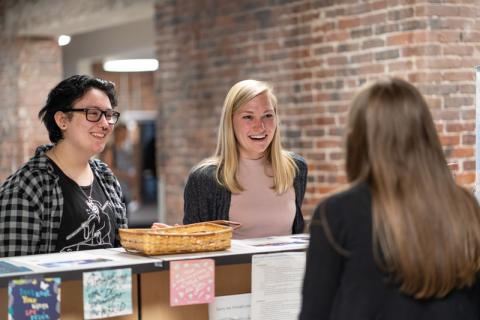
{"x": 205, "y": 199}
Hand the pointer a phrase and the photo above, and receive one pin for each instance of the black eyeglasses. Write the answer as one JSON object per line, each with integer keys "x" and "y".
{"x": 94, "y": 114}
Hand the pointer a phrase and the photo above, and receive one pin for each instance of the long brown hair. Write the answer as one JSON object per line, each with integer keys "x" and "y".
{"x": 426, "y": 229}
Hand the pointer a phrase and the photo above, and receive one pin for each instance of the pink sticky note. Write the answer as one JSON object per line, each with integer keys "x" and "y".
{"x": 192, "y": 282}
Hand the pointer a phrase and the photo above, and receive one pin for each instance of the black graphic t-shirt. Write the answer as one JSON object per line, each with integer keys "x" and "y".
{"x": 85, "y": 225}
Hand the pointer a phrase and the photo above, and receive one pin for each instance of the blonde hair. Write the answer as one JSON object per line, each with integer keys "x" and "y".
{"x": 226, "y": 155}
{"x": 426, "y": 229}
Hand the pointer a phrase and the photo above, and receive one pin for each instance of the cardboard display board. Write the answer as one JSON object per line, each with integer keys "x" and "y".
{"x": 231, "y": 279}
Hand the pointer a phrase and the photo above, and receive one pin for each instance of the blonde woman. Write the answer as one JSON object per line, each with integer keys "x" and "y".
{"x": 403, "y": 242}
{"x": 251, "y": 179}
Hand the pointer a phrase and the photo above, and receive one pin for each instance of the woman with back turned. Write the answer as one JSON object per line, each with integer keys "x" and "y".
{"x": 403, "y": 242}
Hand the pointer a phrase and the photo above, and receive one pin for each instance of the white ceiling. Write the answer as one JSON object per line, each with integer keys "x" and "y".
{"x": 132, "y": 40}
{"x": 100, "y": 29}
{"x": 55, "y": 17}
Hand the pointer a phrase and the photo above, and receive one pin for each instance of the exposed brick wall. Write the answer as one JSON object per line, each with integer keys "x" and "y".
{"x": 317, "y": 54}
{"x": 8, "y": 132}
{"x": 29, "y": 68}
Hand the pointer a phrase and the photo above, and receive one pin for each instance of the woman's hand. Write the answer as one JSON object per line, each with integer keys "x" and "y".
{"x": 159, "y": 225}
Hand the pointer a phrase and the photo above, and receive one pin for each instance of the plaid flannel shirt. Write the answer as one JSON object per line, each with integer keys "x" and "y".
{"x": 31, "y": 205}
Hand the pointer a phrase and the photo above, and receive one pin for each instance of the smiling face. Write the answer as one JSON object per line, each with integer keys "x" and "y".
{"x": 254, "y": 125}
{"x": 81, "y": 134}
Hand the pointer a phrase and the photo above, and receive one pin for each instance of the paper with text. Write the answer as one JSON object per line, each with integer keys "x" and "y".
{"x": 230, "y": 307}
{"x": 107, "y": 293}
{"x": 277, "y": 280}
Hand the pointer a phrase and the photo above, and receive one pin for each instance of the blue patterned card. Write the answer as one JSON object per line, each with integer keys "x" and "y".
{"x": 34, "y": 299}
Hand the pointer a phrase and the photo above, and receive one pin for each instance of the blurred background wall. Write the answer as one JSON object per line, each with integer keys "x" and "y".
{"x": 316, "y": 54}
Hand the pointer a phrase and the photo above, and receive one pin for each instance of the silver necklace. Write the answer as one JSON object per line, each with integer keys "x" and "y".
{"x": 89, "y": 199}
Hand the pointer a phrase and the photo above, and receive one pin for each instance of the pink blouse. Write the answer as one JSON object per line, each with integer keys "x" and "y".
{"x": 260, "y": 210}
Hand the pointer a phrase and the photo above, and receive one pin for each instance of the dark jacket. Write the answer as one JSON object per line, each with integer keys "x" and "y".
{"x": 338, "y": 287}
{"x": 205, "y": 199}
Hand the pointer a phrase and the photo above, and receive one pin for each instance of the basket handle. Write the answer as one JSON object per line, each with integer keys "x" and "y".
{"x": 234, "y": 225}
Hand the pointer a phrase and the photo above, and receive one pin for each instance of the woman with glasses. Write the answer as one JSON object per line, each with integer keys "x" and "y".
{"x": 62, "y": 199}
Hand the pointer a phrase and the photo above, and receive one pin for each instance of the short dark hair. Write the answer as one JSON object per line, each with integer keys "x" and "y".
{"x": 65, "y": 94}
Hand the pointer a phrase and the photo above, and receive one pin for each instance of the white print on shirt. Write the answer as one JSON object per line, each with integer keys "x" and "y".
{"x": 96, "y": 231}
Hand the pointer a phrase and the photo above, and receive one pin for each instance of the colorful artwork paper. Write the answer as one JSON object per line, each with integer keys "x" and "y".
{"x": 107, "y": 293}
{"x": 6, "y": 267}
{"x": 34, "y": 299}
{"x": 71, "y": 263}
{"x": 192, "y": 282}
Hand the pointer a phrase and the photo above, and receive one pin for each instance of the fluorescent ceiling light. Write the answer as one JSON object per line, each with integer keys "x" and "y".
{"x": 131, "y": 65}
{"x": 63, "y": 40}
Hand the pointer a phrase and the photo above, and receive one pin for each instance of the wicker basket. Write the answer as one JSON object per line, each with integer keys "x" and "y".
{"x": 195, "y": 237}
